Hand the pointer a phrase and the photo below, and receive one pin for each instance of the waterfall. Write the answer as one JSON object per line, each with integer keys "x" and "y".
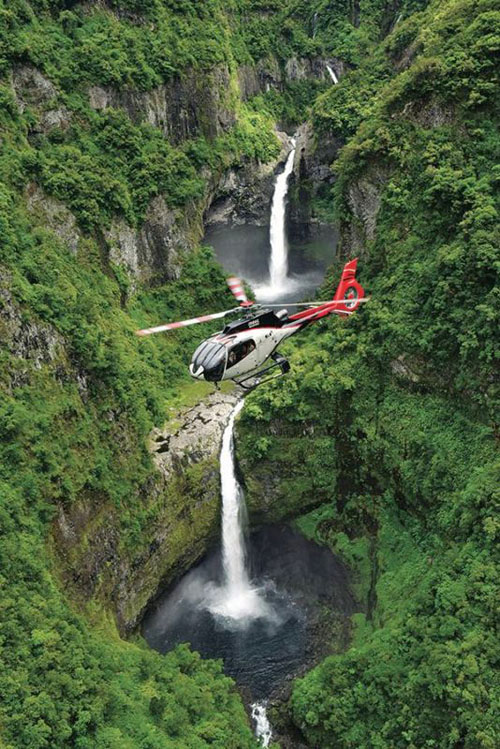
{"x": 233, "y": 542}
{"x": 279, "y": 282}
{"x": 278, "y": 267}
{"x": 236, "y": 599}
{"x": 333, "y": 75}
{"x": 262, "y": 726}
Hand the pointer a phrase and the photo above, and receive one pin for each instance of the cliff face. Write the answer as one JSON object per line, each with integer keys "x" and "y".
{"x": 196, "y": 103}
{"x": 182, "y": 498}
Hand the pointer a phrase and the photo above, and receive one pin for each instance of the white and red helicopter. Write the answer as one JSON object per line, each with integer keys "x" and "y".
{"x": 240, "y": 350}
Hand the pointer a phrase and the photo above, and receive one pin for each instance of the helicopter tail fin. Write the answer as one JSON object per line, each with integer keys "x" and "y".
{"x": 349, "y": 288}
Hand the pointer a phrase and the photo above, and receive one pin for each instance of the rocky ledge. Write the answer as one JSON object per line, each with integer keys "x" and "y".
{"x": 193, "y": 435}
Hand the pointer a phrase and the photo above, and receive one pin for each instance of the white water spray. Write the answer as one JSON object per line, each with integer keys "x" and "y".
{"x": 236, "y": 600}
{"x": 333, "y": 75}
{"x": 262, "y": 726}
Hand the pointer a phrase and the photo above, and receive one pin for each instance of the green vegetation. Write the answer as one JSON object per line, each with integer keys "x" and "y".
{"x": 399, "y": 407}
{"x": 388, "y": 423}
{"x": 79, "y": 393}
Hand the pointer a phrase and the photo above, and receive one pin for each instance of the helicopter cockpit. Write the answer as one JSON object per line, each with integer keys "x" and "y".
{"x": 212, "y": 358}
{"x": 209, "y": 361}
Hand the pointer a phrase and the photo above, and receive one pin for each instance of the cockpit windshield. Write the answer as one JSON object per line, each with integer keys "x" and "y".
{"x": 212, "y": 357}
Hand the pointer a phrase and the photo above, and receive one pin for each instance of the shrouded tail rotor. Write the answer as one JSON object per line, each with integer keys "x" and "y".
{"x": 349, "y": 292}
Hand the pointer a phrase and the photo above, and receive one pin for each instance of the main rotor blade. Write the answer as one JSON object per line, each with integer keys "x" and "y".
{"x": 236, "y": 288}
{"x": 184, "y": 323}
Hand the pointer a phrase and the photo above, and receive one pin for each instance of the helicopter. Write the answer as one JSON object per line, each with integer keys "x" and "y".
{"x": 245, "y": 345}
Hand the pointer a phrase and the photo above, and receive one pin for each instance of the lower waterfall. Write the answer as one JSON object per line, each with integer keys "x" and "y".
{"x": 263, "y": 729}
{"x": 255, "y": 602}
{"x": 236, "y": 599}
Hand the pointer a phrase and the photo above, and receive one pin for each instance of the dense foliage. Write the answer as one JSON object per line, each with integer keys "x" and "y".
{"x": 400, "y": 406}
{"x": 78, "y": 392}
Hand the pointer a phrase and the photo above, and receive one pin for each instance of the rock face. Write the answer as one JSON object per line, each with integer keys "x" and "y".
{"x": 183, "y": 501}
{"x": 243, "y": 194}
{"x": 364, "y": 197}
{"x": 33, "y": 90}
{"x": 270, "y": 480}
{"x": 267, "y": 74}
{"x": 54, "y": 214}
{"x": 152, "y": 252}
{"x": 198, "y": 436}
{"x": 312, "y": 177}
{"x": 32, "y": 344}
{"x": 186, "y": 107}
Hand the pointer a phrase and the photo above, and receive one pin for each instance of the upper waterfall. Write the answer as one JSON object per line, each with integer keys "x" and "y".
{"x": 279, "y": 280}
{"x": 278, "y": 266}
{"x": 332, "y": 73}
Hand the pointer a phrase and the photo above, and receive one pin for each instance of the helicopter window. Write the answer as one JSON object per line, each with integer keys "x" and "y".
{"x": 239, "y": 352}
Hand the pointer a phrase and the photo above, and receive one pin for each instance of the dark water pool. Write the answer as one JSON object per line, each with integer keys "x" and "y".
{"x": 245, "y": 250}
{"x": 297, "y": 579}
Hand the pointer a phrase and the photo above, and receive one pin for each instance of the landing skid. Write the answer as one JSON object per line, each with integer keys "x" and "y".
{"x": 250, "y": 382}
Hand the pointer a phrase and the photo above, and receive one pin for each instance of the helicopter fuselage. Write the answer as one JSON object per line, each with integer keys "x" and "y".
{"x": 242, "y": 347}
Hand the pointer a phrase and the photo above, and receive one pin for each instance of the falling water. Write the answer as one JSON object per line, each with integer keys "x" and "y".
{"x": 279, "y": 281}
{"x": 333, "y": 75}
{"x": 278, "y": 267}
{"x": 237, "y": 599}
{"x": 262, "y": 726}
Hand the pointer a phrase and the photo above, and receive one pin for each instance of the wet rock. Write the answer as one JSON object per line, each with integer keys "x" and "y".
{"x": 243, "y": 194}
{"x": 197, "y": 438}
{"x": 311, "y": 178}
{"x": 305, "y": 68}
{"x": 266, "y": 74}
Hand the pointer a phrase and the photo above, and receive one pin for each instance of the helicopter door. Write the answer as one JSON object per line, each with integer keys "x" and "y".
{"x": 239, "y": 352}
